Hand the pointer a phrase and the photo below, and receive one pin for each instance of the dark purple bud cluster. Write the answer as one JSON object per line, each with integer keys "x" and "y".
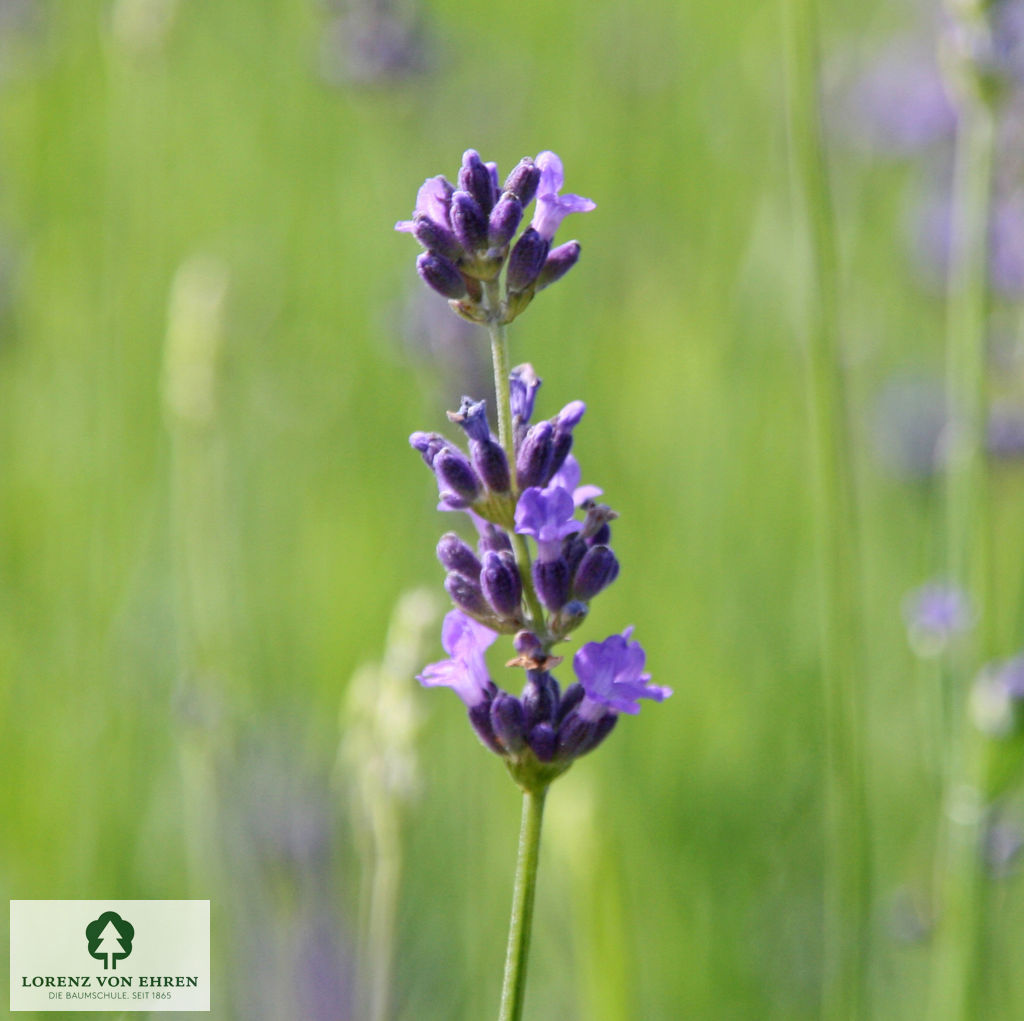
{"x": 540, "y": 497}
{"x": 467, "y": 229}
{"x": 542, "y": 720}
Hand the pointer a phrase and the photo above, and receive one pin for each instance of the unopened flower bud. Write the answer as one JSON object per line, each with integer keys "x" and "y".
{"x": 597, "y": 570}
{"x": 501, "y": 584}
{"x": 551, "y": 580}
{"x": 508, "y": 722}
{"x": 441, "y": 274}
{"x": 577, "y": 736}
{"x": 569, "y": 617}
{"x": 504, "y": 221}
{"x": 466, "y": 594}
{"x": 543, "y": 742}
{"x": 523, "y": 383}
{"x": 455, "y": 555}
{"x": 574, "y": 549}
{"x": 491, "y": 464}
{"x": 558, "y": 263}
{"x": 469, "y": 222}
{"x": 572, "y": 698}
{"x": 494, "y": 538}
{"x": 429, "y": 445}
{"x": 523, "y": 180}
{"x": 526, "y": 260}
{"x": 604, "y": 728}
{"x": 574, "y": 733}
{"x": 564, "y": 422}
{"x": 533, "y": 459}
{"x": 475, "y": 178}
{"x": 540, "y": 697}
{"x": 527, "y": 644}
{"x": 488, "y": 455}
{"x": 456, "y": 474}
{"x": 436, "y": 238}
{"x": 480, "y": 717}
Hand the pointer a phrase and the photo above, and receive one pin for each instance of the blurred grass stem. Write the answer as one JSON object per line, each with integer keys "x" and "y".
{"x": 848, "y": 870}
{"x": 513, "y": 992}
{"x": 190, "y": 385}
{"x": 957, "y": 971}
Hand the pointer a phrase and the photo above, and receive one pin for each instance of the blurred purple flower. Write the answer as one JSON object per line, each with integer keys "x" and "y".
{"x": 613, "y": 678}
{"x": 899, "y": 105}
{"x": 997, "y": 695}
{"x": 1006, "y": 245}
{"x": 466, "y": 671}
{"x": 375, "y": 42}
{"x": 1006, "y": 432}
{"x": 935, "y": 614}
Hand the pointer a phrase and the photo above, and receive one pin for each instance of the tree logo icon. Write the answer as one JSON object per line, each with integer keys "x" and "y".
{"x": 110, "y": 939}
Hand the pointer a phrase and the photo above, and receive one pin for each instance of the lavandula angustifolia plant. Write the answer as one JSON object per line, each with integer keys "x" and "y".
{"x": 520, "y": 485}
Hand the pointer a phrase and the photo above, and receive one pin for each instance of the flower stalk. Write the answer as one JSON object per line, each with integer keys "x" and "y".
{"x": 520, "y": 486}
{"x": 513, "y": 990}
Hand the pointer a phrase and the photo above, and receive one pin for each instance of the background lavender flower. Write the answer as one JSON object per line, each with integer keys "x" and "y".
{"x": 375, "y": 43}
{"x": 936, "y": 614}
{"x": 899, "y": 104}
{"x": 996, "y": 697}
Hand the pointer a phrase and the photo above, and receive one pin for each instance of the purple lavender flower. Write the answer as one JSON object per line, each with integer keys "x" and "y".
{"x": 568, "y": 477}
{"x": 466, "y": 671}
{"x": 539, "y": 591}
{"x": 552, "y": 208}
{"x": 468, "y": 231}
{"x": 936, "y": 613}
{"x": 433, "y": 200}
{"x": 613, "y": 678}
{"x": 547, "y": 516}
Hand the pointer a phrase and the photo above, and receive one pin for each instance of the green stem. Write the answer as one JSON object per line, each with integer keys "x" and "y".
{"x": 521, "y": 924}
{"x": 848, "y": 873}
{"x": 502, "y": 391}
{"x": 499, "y": 358}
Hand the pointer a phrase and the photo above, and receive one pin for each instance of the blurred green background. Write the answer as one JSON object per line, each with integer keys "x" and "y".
{"x": 209, "y": 510}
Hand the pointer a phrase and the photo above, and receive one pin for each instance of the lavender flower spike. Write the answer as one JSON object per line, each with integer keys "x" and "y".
{"x": 552, "y": 208}
{"x": 613, "y": 678}
{"x": 465, "y": 641}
